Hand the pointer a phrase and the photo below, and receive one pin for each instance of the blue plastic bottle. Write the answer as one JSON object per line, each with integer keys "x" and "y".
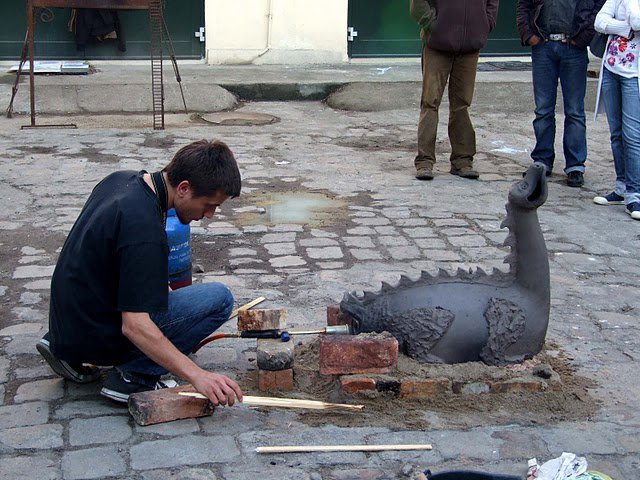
{"x": 179, "y": 238}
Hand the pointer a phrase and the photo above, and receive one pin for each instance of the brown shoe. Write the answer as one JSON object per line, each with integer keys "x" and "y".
{"x": 424, "y": 173}
{"x": 466, "y": 171}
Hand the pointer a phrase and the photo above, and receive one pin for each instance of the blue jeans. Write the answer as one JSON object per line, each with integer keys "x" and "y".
{"x": 622, "y": 103}
{"x": 552, "y": 61}
{"x": 194, "y": 313}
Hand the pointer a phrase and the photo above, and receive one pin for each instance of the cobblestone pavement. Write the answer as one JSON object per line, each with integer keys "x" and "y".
{"x": 375, "y": 222}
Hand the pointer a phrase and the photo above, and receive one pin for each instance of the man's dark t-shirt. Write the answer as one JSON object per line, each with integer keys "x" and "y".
{"x": 114, "y": 260}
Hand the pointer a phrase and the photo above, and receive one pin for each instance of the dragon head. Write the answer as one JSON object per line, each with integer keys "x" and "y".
{"x": 530, "y": 192}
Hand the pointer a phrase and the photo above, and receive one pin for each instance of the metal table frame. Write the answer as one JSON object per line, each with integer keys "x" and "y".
{"x": 154, "y": 7}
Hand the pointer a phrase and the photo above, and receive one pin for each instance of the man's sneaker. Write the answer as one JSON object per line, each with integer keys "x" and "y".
{"x": 79, "y": 373}
{"x": 575, "y": 178}
{"x": 118, "y": 386}
{"x": 633, "y": 209}
{"x": 424, "y": 173}
{"x": 465, "y": 172}
{"x": 610, "y": 199}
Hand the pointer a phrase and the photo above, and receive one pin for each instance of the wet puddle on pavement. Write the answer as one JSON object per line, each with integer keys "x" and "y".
{"x": 293, "y": 207}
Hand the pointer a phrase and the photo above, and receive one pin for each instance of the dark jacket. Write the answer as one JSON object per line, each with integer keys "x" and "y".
{"x": 528, "y": 12}
{"x": 461, "y": 26}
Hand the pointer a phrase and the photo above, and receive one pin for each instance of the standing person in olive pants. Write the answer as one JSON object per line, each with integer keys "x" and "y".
{"x": 452, "y": 32}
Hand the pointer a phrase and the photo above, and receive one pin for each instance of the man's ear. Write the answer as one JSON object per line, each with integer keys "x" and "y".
{"x": 183, "y": 188}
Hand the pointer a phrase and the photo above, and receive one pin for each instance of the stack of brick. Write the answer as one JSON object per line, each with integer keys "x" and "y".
{"x": 274, "y": 357}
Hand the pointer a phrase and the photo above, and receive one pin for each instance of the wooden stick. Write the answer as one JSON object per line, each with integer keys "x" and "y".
{"x": 247, "y": 306}
{"x": 286, "y": 403}
{"x": 340, "y": 448}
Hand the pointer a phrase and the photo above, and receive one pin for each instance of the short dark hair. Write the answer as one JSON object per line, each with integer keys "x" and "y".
{"x": 209, "y": 166}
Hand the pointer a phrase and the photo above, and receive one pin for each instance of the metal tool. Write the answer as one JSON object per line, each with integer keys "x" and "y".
{"x": 283, "y": 335}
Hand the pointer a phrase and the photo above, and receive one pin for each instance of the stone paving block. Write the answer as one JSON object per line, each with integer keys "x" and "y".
{"x": 30, "y": 298}
{"x": 392, "y": 241}
{"x": 32, "y": 413}
{"x": 330, "y": 265}
{"x": 404, "y": 253}
{"x": 467, "y": 241}
{"x": 50, "y": 389}
{"x": 424, "y": 388}
{"x": 359, "y": 242}
{"x": 22, "y": 329}
{"x": 274, "y": 354}
{"x": 318, "y": 242}
{"x": 33, "y": 271}
{"x": 237, "y": 419}
{"x": 278, "y": 237}
{"x": 361, "y": 231}
{"x": 476, "y": 444}
{"x": 93, "y": 463}
{"x": 36, "y": 467}
{"x": 365, "y": 254}
{"x": 371, "y": 221}
{"x": 281, "y": 248}
{"x": 87, "y": 408}
{"x": 420, "y": 232}
{"x": 38, "y": 285}
{"x": 386, "y": 230}
{"x": 30, "y": 314}
{"x": 279, "y": 380}
{"x": 213, "y": 354}
{"x": 325, "y": 253}
{"x": 347, "y": 354}
{"x": 268, "y": 471}
{"x": 287, "y": 261}
{"x": 262, "y": 319}
{"x": 183, "y": 451}
{"x": 522, "y": 444}
{"x": 586, "y": 438}
{"x": 5, "y": 364}
{"x": 38, "y": 437}
{"x": 242, "y": 252}
{"x": 182, "y": 474}
{"x": 91, "y": 431}
{"x": 2, "y": 389}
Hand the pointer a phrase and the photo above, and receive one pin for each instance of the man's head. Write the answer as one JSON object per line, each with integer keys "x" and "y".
{"x": 202, "y": 175}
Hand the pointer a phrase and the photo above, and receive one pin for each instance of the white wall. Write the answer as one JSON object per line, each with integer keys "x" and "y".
{"x": 276, "y": 31}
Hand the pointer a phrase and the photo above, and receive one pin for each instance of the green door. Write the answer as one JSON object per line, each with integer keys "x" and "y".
{"x": 384, "y": 28}
{"x": 54, "y": 41}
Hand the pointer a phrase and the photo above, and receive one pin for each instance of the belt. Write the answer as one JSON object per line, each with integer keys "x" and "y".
{"x": 558, "y": 37}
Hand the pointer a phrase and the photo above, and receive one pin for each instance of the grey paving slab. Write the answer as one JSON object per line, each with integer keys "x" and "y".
{"x": 39, "y": 437}
{"x": 184, "y": 451}
{"x": 32, "y": 413}
{"x": 40, "y": 466}
{"x": 50, "y": 389}
{"x": 93, "y": 463}
{"x": 90, "y": 431}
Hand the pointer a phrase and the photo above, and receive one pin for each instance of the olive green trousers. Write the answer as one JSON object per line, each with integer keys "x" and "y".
{"x": 459, "y": 70}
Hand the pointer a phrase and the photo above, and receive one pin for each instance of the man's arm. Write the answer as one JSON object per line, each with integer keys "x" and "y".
{"x": 492, "y": 13}
{"x": 524, "y": 11}
{"x": 144, "y": 334}
{"x": 424, "y": 13}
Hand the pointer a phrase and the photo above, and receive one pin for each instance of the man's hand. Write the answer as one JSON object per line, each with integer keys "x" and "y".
{"x": 219, "y": 389}
{"x": 534, "y": 40}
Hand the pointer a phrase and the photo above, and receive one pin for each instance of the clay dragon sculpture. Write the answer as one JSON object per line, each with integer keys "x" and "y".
{"x": 498, "y": 318}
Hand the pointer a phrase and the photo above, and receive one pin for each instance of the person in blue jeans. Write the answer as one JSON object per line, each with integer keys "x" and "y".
{"x": 558, "y": 32}
{"x": 110, "y": 300}
{"x": 619, "y": 91}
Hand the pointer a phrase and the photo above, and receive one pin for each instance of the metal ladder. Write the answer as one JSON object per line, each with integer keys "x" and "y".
{"x": 156, "y": 23}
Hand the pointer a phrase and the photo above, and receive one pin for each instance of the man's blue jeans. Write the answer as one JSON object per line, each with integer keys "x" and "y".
{"x": 194, "y": 313}
{"x": 622, "y": 103}
{"x": 553, "y": 61}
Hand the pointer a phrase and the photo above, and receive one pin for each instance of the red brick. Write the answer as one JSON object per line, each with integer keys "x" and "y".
{"x": 335, "y": 316}
{"x": 421, "y": 388}
{"x": 352, "y": 384}
{"x": 269, "y": 380}
{"x": 165, "y": 405}
{"x": 519, "y": 386}
{"x": 273, "y": 319}
{"x": 346, "y": 354}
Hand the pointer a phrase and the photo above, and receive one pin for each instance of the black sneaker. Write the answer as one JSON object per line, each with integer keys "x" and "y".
{"x": 79, "y": 373}
{"x": 633, "y": 209}
{"x": 610, "y": 199}
{"x": 118, "y": 386}
{"x": 575, "y": 178}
